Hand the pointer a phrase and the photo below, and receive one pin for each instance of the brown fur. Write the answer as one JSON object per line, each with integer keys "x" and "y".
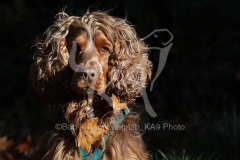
{"x": 123, "y": 71}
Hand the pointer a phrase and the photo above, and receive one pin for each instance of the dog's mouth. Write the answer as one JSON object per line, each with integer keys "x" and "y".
{"x": 81, "y": 84}
{"x": 87, "y": 84}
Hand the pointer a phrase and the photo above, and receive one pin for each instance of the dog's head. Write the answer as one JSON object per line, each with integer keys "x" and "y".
{"x": 89, "y": 50}
{"x": 95, "y": 50}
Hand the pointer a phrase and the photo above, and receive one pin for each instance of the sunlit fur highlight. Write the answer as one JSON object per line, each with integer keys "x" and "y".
{"x": 128, "y": 71}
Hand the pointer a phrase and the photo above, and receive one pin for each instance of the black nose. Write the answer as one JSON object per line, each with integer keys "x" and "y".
{"x": 89, "y": 74}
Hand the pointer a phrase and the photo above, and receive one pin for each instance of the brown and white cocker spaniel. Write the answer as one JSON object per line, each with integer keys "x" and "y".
{"x": 92, "y": 67}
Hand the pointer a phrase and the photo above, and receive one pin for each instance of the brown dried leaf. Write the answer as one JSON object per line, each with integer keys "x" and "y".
{"x": 89, "y": 134}
{"x": 117, "y": 105}
{"x": 25, "y": 146}
{"x": 5, "y": 143}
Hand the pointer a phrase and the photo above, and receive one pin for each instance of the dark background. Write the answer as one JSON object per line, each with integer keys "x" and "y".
{"x": 198, "y": 88}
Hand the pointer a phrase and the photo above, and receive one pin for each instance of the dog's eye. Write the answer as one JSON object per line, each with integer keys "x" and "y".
{"x": 105, "y": 50}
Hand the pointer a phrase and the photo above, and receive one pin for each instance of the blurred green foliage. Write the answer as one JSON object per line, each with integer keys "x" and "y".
{"x": 179, "y": 156}
{"x": 199, "y": 86}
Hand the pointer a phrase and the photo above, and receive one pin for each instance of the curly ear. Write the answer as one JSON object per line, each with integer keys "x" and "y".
{"x": 49, "y": 71}
{"x": 129, "y": 67}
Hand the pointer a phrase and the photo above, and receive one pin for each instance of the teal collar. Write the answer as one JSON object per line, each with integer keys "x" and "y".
{"x": 96, "y": 152}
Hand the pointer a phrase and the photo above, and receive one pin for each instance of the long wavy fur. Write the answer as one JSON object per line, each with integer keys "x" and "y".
{"x": 129, "y": 69}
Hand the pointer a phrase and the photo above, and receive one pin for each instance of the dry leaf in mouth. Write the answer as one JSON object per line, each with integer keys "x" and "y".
{"x": 90, "y": 134}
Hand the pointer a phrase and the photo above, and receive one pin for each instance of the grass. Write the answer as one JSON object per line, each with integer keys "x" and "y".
{"x": 178, "y": 156}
